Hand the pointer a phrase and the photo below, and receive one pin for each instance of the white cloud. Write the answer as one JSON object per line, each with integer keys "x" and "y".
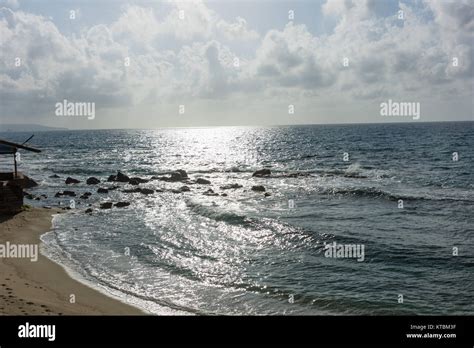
{"x": 175, "y": 58}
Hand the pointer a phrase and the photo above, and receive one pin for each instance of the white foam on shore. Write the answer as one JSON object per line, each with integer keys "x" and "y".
{"x": 50, "y": 249}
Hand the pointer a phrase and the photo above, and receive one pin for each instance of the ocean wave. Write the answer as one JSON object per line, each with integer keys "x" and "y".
{"x": 373, "y": 192}
{"x": 213, "y": 213}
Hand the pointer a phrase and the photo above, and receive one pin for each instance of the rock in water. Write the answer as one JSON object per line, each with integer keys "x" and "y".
{"x": 112, "y": 178}
{"x": 231, "y": 186}
{"x": 184, "y": 189}
{"x": 262, "y": 172}
{"x": 146, "y": 191}
{"x": 54, "y": 176}
{"x": 122, "y": 204}
{"x": 210, "y": 192}
{"x": 102, "y": 190}
{"x": 133, "y": 182}
{"x": 70, "y": 180}
{"x": 258, "y": 188}
{"x": 183, "y": 173}
{"x": 92, "y": 181}
{"x": 88, "y": 211}
{"x": 69, "y": 193}
{"x": 106, "y": 205}
{"x": 202, "y": 181}
{"x": 122, "y": 177}
{"x": 137, "y": 180}
{"x": 176, "y": 176}
{"x": 26, "y": 182}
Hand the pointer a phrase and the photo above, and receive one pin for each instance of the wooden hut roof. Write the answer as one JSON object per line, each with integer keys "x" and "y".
{"x": 7, "y": 147}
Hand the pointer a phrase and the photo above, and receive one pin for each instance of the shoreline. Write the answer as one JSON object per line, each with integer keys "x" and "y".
{"x": 44, "y": 287}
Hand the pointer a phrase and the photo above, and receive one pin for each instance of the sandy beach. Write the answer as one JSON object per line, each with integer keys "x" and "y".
{"x": 43, "y": 287}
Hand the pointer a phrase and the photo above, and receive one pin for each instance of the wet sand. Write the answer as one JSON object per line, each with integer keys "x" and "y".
{"x": 44, "y": 287}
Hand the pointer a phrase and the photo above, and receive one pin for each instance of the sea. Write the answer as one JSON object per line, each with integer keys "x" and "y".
{"x": 403, "y": 193}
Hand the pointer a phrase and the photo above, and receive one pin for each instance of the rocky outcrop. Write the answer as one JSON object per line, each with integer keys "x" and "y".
{"x": 122, "y": 204}
{"x": 202, "y": 181}
{"x": 262, "y": 172}
{"x": 258, "y": 188}
{"x": 137, "y": 180}
{"x": 177, "y": 175}
{"x": 210, "y": 192}
{"x": 26, "y": 182}
{"x": 146, "y": 191}
{"x": 92, "y": 181}
{"x": 70, "y": 180}
{"x": 106, "y": 205}
{"x": 122, "y": 177}
{"x": 231, "y": 186}
{"x": 85, "y": 195}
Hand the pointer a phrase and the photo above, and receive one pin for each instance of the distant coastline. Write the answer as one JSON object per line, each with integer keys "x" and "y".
{"x": 12, "y": 128}
{"x": 27, "y": 127}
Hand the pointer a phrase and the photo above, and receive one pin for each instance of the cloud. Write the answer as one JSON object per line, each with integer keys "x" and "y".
{"x": 189, "y": 53}
{"x": 12, "y": 4}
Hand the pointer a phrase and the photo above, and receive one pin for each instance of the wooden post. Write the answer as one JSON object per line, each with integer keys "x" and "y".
{"x": 14, "y": 161}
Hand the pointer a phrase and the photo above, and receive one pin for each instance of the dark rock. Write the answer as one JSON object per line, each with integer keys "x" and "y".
{"x": 44, "y": 196}
{"x": 134, "y": 190}
{"x": 111, "y": 178}
{"x": 175, "y": 191}
{"x": 69, "y": 193}
{"x": 224, "y": 194}
{"x": 86, "y": 195}
{"x": 202, "y": 181}
{"x": 146, "y": 191}
{"x": 231, "y": 186}
{"x": 177, "y": 175}
{"x": 58, "y": 194}
{"x": 138, "y": 180}
{"x": 88, "y": 211}
{"x": 122, "y": 177}
{"x": 210, "y": 192}
{"x": 37, "y": 198}
{"x": 28, "y": 195}
{"x": 185, "y": 189}
{"x": 70, "y": 180}
{"x": 296, "y": 175}
{"x": 106, "y": 205}
{"x": 267, "y": 194}
{"x": 133, "y": 182}
{"x": 111, "y": 188}
{"x": 54, "y": 176}
{"x": 122, "y": 204}
{"x": 102, "y": 190}
{"x": 258, "y": 188}
{"x": 92, "y": 181}
{"x": 183, "y": 173}
{"x": 26, "y": 182}
{"x": 262, "y": 172}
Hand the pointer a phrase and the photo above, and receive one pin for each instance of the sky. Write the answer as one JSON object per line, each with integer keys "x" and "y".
{"x": 150, "y": 64}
